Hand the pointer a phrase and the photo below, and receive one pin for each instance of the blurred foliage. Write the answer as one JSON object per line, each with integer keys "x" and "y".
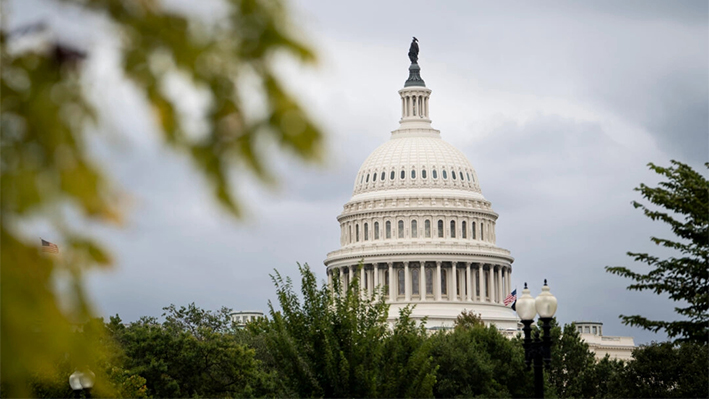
{"x": 47, "y": 170}
{"x": 683, "y": 203}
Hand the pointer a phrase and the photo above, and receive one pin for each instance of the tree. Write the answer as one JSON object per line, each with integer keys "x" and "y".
{"x": 192, "y": 353}
{"x": 337, "y": 343}
{"x": 47, "y": 173}
{"x": 478, "y": 361}
{"x": 684, "y": 205}
{"x": 665, "y": 370}
{"x": 572, "y": 364}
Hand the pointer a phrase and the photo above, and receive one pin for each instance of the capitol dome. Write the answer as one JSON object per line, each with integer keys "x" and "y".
{"x": 419, "y": 228}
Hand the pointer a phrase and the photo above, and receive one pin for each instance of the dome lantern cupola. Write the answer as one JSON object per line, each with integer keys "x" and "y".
{"x": 414, "y": 95}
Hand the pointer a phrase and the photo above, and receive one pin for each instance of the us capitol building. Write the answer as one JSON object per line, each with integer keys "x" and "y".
{"x": 421, "y": 226}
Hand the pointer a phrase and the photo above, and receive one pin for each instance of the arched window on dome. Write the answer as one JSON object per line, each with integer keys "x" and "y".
{"x": 427, "y": 228}
{"x": 414, "y": 281}
{"x": 383, "y": 176}
{"x": 376, "y": 230}
{"x": 392, "y": 175}
{"x": 401, "y": 282}
{"x": 367, "y": 179}
{"x": 435, "y": 174}
{"x": 452, "y": 228}
{"x": 444, "y": 281}
{"x": 429, "y": 281}
{"x": 468, "y": 173}
{"x": 453, "y": 174}
{"x": 440, "y": 229}
{"x": 388, "y": 229}
{"x": 366, "y": 232}
{"x": 413, "y": 173}
{"x": 461, "y": 176}
{"x": 374, "y": 176}
{"x": 400, "y": 225}
{"x": 361, "y": 180}
{"x": 445, "y": 175}
{"x": 414, "y": 229}
{"x": 423, "y": 173}
{"x": 482, "y": 231}
{"x": 403, "y": 174}
{"x": 414, "y": 99}
{"x": 349, "y": 233}
{"x": 357, "y": 232}
{"x": 463, "y": 229}
{"x": 473, "y": 231}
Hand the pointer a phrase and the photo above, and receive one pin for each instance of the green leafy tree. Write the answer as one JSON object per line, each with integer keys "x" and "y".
{"x": 337, "y": 343}
{"x": 572, "y": 364}
{"x": 665, "y": 370}
{"x": 408, "y": 369}
{"x": 46, "y": 166}
{"x": 478, "y": 361}
{"x": 683, "y": 203}
{"x": 193, "y": 353}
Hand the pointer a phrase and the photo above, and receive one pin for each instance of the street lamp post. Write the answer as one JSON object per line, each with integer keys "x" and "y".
{"x": 82, "y": 381}
{"x": 537, "y": 350}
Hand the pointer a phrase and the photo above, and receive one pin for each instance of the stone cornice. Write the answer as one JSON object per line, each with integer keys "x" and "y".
{"x": 417, "y": 252}
{"x": 419, "y": 212}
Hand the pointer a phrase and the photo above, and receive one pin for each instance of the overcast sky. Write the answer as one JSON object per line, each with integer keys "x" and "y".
{"x": 559, "y": 106}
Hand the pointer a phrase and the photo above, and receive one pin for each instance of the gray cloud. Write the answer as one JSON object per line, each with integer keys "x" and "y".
{"x": 558, "y": 105}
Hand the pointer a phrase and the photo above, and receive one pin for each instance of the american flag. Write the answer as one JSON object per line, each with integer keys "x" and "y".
{"x": 511, "y": 297}
{"x": 49, "y": 247}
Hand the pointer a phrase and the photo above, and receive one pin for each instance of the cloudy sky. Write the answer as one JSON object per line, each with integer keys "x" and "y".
{"x": 558, "y": 105}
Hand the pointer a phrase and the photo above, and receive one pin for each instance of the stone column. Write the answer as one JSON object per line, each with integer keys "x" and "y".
{"x": 469, "y": 288}
{"x": 437, "y": 282}
{"x": 422, "y": 281}
{"x": 375, "y": 276}
{"x": 473, "y": 282}
{"x": 483, "y": 284}
{"x": 407, "y": 282}
{"x": 505, "y": 290}
{"x": 391, "y": 281}
{"x": 509, "y": 279}
{"x": 343, "y": 282}
{"x": 491, "y": 286}
{"x": 454, "y": 282}
{"x": 498, "y": 281}
{"x": 361, "y": 279}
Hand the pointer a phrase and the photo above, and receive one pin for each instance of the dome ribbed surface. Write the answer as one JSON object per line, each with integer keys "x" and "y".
{"x": 423, "y": 154}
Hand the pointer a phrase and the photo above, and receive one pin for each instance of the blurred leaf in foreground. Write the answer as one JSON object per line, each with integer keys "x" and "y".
{"x": 47, "y": 170}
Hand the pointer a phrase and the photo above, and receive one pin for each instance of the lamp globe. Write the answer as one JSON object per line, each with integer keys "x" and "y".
{"x": 546, "y": 302}
{"x": 526, "y": 309}
{"x": 75, "y": 380}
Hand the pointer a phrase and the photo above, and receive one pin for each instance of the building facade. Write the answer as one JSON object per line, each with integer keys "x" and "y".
{"x": 240, "y": 318}
{"x": 591, "y": 332}
{"x": 421, "y": 227}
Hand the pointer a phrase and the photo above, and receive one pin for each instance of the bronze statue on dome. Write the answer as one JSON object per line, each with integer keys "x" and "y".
{"x": 414, "y": 51}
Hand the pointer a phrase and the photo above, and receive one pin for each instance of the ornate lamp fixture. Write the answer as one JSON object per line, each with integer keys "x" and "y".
{"x": 537, "y": 350}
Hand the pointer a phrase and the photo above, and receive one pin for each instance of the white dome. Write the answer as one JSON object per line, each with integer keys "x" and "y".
{"x": 418, "y": 226}
{"x": 420, "y": 161}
